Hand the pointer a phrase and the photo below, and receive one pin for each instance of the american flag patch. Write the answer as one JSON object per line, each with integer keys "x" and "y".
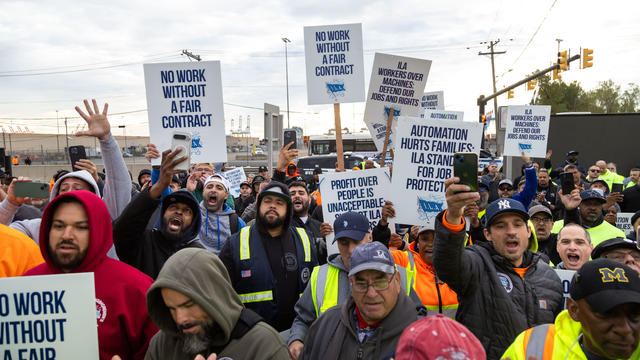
{"x": 543, "y": 304}
{"x": 245, "y": 273}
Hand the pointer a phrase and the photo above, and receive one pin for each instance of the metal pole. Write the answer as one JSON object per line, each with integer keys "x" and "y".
{"x": 66, "y": 136}
{"x": 58, "y": 134}
{"x": 286, "y": 66}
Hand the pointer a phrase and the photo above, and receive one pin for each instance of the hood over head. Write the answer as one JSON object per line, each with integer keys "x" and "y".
{"x": 82, "y": 175}
{"x": 185, "y": 197}
{"x": 100, "y": 231}
{"x": 142, "y": 172}
{"x": 279, "y": 189}
{"x": 201, "y": 276}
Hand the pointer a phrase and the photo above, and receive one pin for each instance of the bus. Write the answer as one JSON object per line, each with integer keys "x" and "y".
{"x": 358, "y": 144}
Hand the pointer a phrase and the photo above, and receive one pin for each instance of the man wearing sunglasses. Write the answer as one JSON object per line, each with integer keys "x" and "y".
{"x": 370, "y": 323}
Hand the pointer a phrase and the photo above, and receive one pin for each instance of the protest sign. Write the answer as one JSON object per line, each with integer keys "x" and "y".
{"x": 187, "y": 97}
{"x": 235, "y": 177}
{"x": 48, "y": 317}
{"x": 396, "y": 82}
{"x": 565, "y": 277}
{"x": 361, "y": 191}
{"x": 623, "y": 222}
{"x": 484, "y": 162}
{"x": 527, "y": 130}
{"x": 423, "y": 160}
{"x": 335, "y": 66}
{"x": 442, "y": 115}
{"x": 432, "y": 101}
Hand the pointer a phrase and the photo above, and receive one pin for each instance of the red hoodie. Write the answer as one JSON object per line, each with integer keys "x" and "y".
{"x": 124, "y": 326}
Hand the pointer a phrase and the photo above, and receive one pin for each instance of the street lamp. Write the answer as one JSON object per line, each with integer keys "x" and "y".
{"x": 286, "y": 66}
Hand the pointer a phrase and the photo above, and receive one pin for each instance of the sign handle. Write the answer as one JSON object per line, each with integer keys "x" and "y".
{"x": 338, "y": 126}
{"x": 386, "y": 137}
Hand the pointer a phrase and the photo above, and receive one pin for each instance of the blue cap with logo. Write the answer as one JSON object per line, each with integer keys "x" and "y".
{"x": 505, "y": 205}
{"x": 372, "y": 256}
{"x": 350, "y": 225}
{"x": 592, "y": 194}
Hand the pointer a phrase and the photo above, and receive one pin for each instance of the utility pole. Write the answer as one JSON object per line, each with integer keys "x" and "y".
{"x": 559, "y": 41}
{"x": 493, "y": 71}
{"x": 66, "y": 136}
{"x": 190, "y": 55}
{"x": 58, "y": 134}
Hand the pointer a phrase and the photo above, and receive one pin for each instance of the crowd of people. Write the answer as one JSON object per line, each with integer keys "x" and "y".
{"x": 183, "y": 270}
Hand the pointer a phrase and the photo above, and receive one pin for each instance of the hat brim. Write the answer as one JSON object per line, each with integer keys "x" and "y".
{"x": 351, "y": 234}
{"x": 523, "y": 214}
{"x": 264, "y": 193}
{"x": 601, "y": 200}
{"x": 387, "y": 269}
{"x": 606, "y": 300}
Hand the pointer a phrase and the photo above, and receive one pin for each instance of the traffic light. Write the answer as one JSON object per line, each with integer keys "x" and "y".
{"x": 510, "y": 94}
{"x": 531, "y": 84}
{"x": 483, "y": 118}
{"x": 556, "y": 74}
{"x": 587, "y": 58}
{"x": 562, "y": 60}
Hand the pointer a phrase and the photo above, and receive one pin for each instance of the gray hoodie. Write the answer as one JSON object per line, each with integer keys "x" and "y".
{"x": 201, "y": 276}
{"x": 216, "y": 227}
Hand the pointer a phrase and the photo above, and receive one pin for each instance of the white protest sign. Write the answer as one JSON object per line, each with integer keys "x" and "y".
{"x": 335, "y": 66}
{"x": 423, "y": 160}
{"x": 623, "y": 222}
{"x": 48, "y": 317}
{"x": 432, "y": 101}
{"x": 565, "y": 277}
{"x": 484, "y": 162}
{"x": 361, "y": 191}
{"x": 396, "y": 82}
{"x": 527, "y": 130}
{"x": 235, "y": 177}
{"x": 442, "y": 115}
{"x": 187, "y": 97}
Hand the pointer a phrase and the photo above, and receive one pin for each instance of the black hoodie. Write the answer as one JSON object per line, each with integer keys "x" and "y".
{"x": 148, "y": 249}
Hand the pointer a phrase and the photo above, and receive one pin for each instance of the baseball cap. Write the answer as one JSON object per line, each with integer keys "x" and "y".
{"x": 245, "y": 183}
{"x": 258, "y": 179}
{"x": 605, "y": 284}
{"x": 422, "y": 229}
{"x": 276, "y": 188}
{"x": 262, "y": 168}
{"x": 505, "y": 181}
{"x": 572, "y": 152}
{"x": 372, "y": 256}
{"x": 539, "y": 208}
{"x": 612, "y": 244}
{"x": 600, "y": 181}
{"x": 592, "y": 194}
{"x": 218, "y": 179}
{"x": 505, "y": 205}
{"x": 350, "y": 225}
{"x": 482, "y": 182}
{"x": 447, "y": 339}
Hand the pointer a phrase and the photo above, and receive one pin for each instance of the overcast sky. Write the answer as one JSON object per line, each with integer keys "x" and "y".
{"x": 55, "y": 53}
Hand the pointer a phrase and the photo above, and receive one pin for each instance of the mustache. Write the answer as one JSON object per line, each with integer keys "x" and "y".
{"x": 188, "y": 325}
{"x": 67, "y": 242}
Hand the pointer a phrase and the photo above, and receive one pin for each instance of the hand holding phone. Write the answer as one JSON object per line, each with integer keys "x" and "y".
{"x": 465, "y": 167}
{"x": 30, "y": 189}
{"x": 182, "y": 140}
{"x": 566, "y": 181}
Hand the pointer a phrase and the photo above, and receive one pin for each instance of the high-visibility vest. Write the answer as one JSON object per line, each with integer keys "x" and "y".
{"x": 256, "y": 282}
{"x": 598, "y": 234}
{"x": 611, "y": 178}
{"x": 325, "y": 282}
{"x": 435, "y": 295}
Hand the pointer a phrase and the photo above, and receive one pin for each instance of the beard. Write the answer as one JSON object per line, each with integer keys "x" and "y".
{"x": 270, "y": 223}
{"x": 302, "y": 211}
{"x": 194, "y": 344}
{"x": 67, "y": 263}
{"x": 173, "y": 236}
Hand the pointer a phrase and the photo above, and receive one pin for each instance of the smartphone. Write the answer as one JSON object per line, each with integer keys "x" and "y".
{"x": 36, "y": 190}
{"x": 290, "y": 136}
{"x": 566, "y": 181}
{"x": 76, "y": 153}
{"x": 616, "y": 188}
{"x": 182, "y": 140}
{"x": 465, "y": 167}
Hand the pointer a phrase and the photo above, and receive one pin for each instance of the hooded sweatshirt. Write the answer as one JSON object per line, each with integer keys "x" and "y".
{"x": 202, "y": 277}
{"x": 216, "y": 227}
{"x": 148, "y": 249}
{"x": 124, "y": 327}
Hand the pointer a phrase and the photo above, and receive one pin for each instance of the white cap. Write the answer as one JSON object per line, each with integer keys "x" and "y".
{"x": 219, "y": 179}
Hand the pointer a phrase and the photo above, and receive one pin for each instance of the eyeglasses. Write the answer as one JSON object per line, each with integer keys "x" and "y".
{"x": 203, "y": 169}
{"x": 619, "y": 256}
{"x": 541, "y": 220}
{"x": 378, "y": 285}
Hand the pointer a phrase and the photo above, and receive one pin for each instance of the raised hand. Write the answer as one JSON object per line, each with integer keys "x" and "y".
{"x": 97, "y": 121}
{"x": 458, "y": 196}
{"x": 152, "y": 152}
{"x": 86, "y": 164}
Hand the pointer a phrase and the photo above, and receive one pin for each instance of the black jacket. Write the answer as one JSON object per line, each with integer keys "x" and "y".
{"x": 312, "y": 226}
{"x": 148, "y": 249}
{"x": 495, "y": 303}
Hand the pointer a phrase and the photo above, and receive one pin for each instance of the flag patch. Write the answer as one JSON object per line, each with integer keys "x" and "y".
{"x": 245, "y": 273}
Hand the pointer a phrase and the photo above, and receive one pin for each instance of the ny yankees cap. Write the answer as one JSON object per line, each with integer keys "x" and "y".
{"x": 505, "y": 205}
{"x": 605, "y": 284}
{"x": 350, "y": 225}
{"x": 372, "y": 256}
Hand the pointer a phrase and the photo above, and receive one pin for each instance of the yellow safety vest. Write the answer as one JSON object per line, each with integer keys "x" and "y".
{"x": 598, "y": 234}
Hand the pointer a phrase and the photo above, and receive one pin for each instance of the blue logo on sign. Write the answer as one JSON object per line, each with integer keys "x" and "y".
{"x": 336, "y": 88}
{"x": 396, "y": 112}
{"x": 524, "y": 147}
{"x": 195, "y": 143}
{"x": 429, "y": 208}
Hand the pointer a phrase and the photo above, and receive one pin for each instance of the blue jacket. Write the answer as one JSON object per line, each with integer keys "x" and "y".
{"x": 215, "y": 229}
{"x": 530, "y": 187}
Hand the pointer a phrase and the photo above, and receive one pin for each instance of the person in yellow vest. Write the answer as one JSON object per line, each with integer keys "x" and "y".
{"x": 436, "y": 296}
{"x": 632, "y": 180}
{"x": 608, "y": 176}
{"x": 329, "y": 284}
{"x": 602, "y": 320}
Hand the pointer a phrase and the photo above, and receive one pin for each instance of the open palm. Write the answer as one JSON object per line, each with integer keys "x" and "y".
{"x": 97, "y": 121}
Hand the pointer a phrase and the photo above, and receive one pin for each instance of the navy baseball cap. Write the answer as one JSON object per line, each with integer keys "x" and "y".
{"x": 592, "y": 194}
{"x": 483, "y": 182}
{"x": 605, "y": 284}
{"x": 372, "y": 256}
{"x": 350, "y": 225}
{"x": 505, "y": 205}
{"x": 572, "y": 152}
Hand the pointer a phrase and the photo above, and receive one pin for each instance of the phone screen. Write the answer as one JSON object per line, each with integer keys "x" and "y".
{"x": 616, "y": 187}
{"x": 290, "y": 136}
{"x": 465, "y": 167}
{"x": 566, "y": 181}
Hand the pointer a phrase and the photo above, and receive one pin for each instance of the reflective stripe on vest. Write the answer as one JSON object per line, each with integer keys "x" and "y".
{"x": 411, "y": 270}
{"x": 540, "y": 338}
{"x": 256, "y": 296}
{"x": 244, "y": 243}
{"x": 305, "y": 243}
{"x": 324, "y": 288}
{"x": 447, "y": 310}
